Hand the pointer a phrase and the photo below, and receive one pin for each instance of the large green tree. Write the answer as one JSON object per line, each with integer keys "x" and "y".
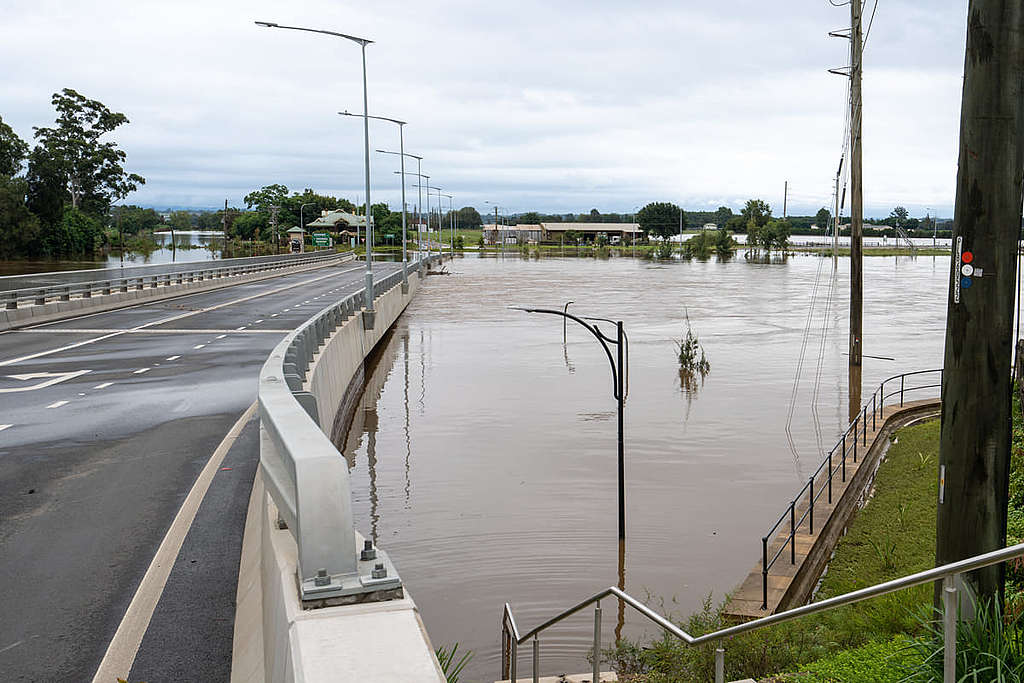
{"x": 19, "y": 229}
{"x": 822, "y": 218}
{"x": 722, "y": 216}
{"x": 469, "y": 218}
{"x": 661, "y": 219}
{"x": 758, "y": 211}
{"x": 90, "y": 167}
{"x": 13, "y": 151}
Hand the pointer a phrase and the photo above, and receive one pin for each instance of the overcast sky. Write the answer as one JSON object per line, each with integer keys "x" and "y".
{"x": 554, "y": 106}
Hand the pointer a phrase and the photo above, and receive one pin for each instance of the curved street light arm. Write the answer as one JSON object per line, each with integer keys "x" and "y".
{"x": 593, "y": 330}
{"x": 371, "y": 116}
{"x": 362, "y": 41}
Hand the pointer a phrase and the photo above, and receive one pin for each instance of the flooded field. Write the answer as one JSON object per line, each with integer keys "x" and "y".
{"x": 484, "y": 452}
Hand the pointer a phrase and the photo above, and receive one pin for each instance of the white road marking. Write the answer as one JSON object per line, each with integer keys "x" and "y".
{"x": 198, "y": 346}
{"x": 221, "y": 336}
{"x": 124, "y": 646}
{"x": 257, "y": 322}
{"x": 164, "y": 321}
{"x": 140, "y": 371}
{"x": 2, "y": 428}
{"x": 173, "y": 357}
{"x": 103, "y": 386}
{"x": 53, "y": 378}
{"x": 274, "y": 315}
{"x": 57, "y": 404}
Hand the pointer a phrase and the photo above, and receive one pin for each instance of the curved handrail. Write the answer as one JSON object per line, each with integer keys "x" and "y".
{"x": 943, "y": 572}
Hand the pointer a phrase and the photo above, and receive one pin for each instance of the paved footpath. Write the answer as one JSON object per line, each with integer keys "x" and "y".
{"x": 106, "y": 422}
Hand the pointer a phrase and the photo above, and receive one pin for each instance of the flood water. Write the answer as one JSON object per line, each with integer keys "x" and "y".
{"x": 484, "y": 451}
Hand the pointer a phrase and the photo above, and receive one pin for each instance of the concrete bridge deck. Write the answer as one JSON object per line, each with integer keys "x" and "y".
{"x": 107, "y": 422}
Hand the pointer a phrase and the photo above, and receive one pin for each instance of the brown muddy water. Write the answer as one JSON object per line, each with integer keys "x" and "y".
{"x": 483, "y": 454}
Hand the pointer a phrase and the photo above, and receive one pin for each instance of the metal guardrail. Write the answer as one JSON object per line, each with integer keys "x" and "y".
{"x": 833, "y": 465}
{"x": 303, "y": 471}
{"x": 38, "y": 296}
{"x": 949, "y": 574}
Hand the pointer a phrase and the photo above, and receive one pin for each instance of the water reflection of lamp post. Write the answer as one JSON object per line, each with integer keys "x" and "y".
{"x": 620, "y": 385}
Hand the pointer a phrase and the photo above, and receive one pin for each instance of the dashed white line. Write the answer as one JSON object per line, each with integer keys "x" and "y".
{"x": 3, "y": 427}
{"x": 57, "y": 404}
{"x": 221, "y": 336}
{"x": 173, "y": 358}
{"x": 198, "y": 346}
{"x": 103, "y": 386}
{"x": 140, "y": 371}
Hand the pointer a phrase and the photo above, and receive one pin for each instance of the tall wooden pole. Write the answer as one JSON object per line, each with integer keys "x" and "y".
{"x": 974, "y": 451}
{"x": 856, "y": 190}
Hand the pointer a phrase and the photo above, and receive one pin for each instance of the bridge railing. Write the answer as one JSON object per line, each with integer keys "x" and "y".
{"x": 12, "y": 299}
{"x": 834, "y": 464}
{"x": 304, "y": 473}
{"x": 948, "y": 574}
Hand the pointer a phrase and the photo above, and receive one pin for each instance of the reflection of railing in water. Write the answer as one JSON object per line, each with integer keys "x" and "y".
{"x": 858, "y": 430}
{"x": 949, "y": 574}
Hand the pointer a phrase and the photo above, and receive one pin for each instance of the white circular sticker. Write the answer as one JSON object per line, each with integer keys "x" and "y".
{"x": 967, "y": 270}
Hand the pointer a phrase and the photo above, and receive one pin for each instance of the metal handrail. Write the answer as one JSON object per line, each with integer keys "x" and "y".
{"x": 948, "y": 573}
{"x": 858, "y": 428}
{"x": 38, "y": 296}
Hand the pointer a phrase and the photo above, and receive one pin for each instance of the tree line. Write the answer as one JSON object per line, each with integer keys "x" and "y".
{"x": 55, "y": 197}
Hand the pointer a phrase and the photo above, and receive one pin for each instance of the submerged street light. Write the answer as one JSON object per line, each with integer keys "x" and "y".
{"x": 362, "y": 42}
{"x": 418, "y": 159}
{"x": 620, "y": 385}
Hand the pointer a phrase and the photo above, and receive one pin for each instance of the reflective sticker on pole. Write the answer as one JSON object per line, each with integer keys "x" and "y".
{"x": 956, "y": 267}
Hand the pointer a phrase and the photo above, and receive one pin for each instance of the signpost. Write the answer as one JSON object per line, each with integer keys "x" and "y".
{"x": 321, "y": 239}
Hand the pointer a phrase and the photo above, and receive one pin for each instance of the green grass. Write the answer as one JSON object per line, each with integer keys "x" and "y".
{"x": 901, "y": 514}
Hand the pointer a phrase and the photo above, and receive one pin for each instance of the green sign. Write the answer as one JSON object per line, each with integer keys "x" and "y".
{"x": 321, "y": 239}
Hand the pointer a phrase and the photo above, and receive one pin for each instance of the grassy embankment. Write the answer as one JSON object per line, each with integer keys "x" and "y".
{"x": 892, "y": 536}
{"x": 868, "y": 642}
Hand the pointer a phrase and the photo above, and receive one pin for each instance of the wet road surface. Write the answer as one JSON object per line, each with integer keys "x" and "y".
{"x": 105, "y": 422}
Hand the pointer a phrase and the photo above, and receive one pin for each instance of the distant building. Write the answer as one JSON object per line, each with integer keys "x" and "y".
{"x": 512, "y": 234}
{"x": 297, "y": 239}
{"x": 338, "y": 221}
{"x": 711, "y": 226}
{"x": 614, "y": 232}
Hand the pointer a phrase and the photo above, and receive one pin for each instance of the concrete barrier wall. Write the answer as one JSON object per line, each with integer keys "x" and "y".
{"x": 98, "y": 303}
{"x": 275, "y": 638}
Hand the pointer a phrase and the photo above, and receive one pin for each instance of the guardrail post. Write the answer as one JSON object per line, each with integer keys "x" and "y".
{"x": 830, "y": 474}
{"x": 536, "y": 659}
{"x": 792, "y": 532}
{"x": 512, "y": 662}
{"x": 139, "y": 284}
{"x": 106, "y": 287}
{"x": 949, "y": 629}
{"x": 40, "y": 297}
{"x": 66, "y": 296}
{"x": 12, "y": 302}
{"x": 855, "y": 440}
{"x": 719, "y": 663}
{"x": 902, "y": 377}
{"x": 811, "y": 513}
{"x": 865, "y": 426}
{"x": 873, "y": 406}
{"x": 124, "y": 285}
{"x": 504, "y": 648}
{"x": 597, "y": 642}
{"x": 764, "y": 572}
{"x": 87, "y": 292}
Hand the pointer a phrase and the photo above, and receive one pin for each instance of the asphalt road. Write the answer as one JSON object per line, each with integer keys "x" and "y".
{"x": 105, "y": 422}
{"x": 67, "y": 277}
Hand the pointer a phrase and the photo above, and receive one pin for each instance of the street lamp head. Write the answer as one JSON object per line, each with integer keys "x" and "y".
{"x": 266, "y": 24}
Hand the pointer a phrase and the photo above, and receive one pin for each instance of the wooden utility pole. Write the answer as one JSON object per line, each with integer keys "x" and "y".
{"x": 974, "y": 448}
{"x": 856, "y": 190}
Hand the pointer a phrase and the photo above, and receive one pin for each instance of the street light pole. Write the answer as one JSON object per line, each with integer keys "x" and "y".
{"x": 620, "y": 386}
{"x": 363, "y": 42}
{"x": 451, "y": 222}
{"x": 402, "y": 154}
{"x": 302, "y": 223}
